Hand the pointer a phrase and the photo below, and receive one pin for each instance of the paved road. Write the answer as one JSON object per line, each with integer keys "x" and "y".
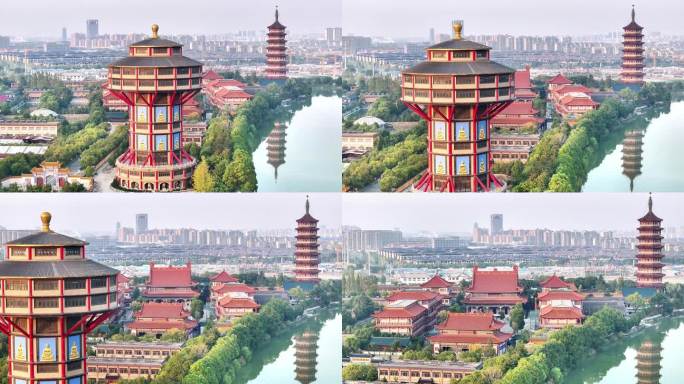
{"x": 103, "y": 179}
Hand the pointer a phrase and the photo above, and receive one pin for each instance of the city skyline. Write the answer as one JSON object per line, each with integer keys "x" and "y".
{"x": 129, "y": 16}
{"x": 513, "y": 18}
{"x": 439, "y": 213}
{"x": 83, "y": 213}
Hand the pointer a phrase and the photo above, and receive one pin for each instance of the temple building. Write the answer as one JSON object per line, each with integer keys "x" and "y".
{"x": 431, "y": 301}
{"x": 403, "y": 317}
{"x": 438, "y": 284}
{"x": 524, "y": 91}
{"x": 170, "y": 284}
{"x": 306, "y": 345}
{"x": 307, "y": 256}
{"x": 633, "y": 53}
{"x": 50, "y": 173}
{"x": 155, "y": 81}
{"x": 275, "y": 147}
{"x": 276, "y": 51}
{"x": 494, "y": 290}
{"x": 649, "y": 273}
{"x": 558, "y": 81}
{"x": 649, "y": 362}
{"x": 414, "y": 371}
{"x": 158, "y": 318}
{"x": 632, "y": 151}
{"x": 52, "y": 297}
{"x": 516, "y": 117}
{"x": 559, "y": 304}
{"x": 124, "y": 360}
{"x": 458, "y": 90}
{"x": 221, "y": 278}
{"x": 462, "y": 332}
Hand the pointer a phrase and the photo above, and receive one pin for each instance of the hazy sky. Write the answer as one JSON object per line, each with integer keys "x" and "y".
{"x": 414, "y": 18}
{"x": 99, "y": 212}
{"x": 47, "y": 17}
{"x": 433, "y": 212}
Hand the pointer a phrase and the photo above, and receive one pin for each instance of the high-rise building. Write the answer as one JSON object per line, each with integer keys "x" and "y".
{"x": 92, "y": 28}
{"x": 64, "y": 34}
{"x": 52, "y": 298}
{"x": 496, "y": 223}
{"x": 141, "y": 223}
{"x": 154, "y": 81}
{"x": 306, "y": 248}
{"x": 633, "y": 53}
{"x": 333, "y": 35}
{"x": 458, "y": 90}
{"x": 649, "y": 257}
{"x": 276, "y": 51}
{"x": 432, "y": 36}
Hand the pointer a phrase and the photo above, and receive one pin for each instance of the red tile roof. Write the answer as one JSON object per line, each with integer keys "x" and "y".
{"x": 170, "y": 276}
{"x": 560, "y": 295}
{"x": 211, "y": 75}
{"x": 494, "y": 338}
{"x": 522, "y": 79}
{"x": 516, "y": 120}
{"x": 560, "y": 79}
{"x": 223, "y": 277}
{"x": 518, "y": 108}
{"x": 226, "y": 93}
{"x": 561, "y": 313}
{"x": 226, "y": 288}
{"x": 496, "y": 299}
{"x": 162, "y": 311}
{"x": 555, "y": 282}
{"x": 412, "y": 310}
{"x": 171, "y": 292}
{"x": 121, "y": 278}
{"x": 577, "y": 101}
{"x": 436, "y": 281}
{"x": 220, "y": 83}
{"x": 166, "y": 325}
{"x": 471, "y": 322}
{"x": 495, "y": 281}
{"x": 572, "y": 88}
{"x": 237, "y": 302}
{"x": 414, "y": 295}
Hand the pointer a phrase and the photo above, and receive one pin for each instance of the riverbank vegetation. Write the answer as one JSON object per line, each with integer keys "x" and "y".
{"x": 398, "y": 158}
{"x": 565, "y": 155}
{"x": 226, "y": 154}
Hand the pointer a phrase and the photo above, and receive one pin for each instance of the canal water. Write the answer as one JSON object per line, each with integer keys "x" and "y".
{"x": 648, "y": 158}
{"x": 310, "y": 352}
{"x": 651, "y": 356}
{"x": 303, "y": 153}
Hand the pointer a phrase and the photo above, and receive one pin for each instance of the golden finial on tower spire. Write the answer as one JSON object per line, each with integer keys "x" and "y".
{"x": 45, "y": 218}
{"x": 155, "y": 31}
{"x": 458, "y": 28}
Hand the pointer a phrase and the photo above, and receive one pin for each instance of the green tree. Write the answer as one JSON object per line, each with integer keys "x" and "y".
{"x": 517, "y": 317}
{"x": 361, "y": 372}
{"x": 202, "y": 180}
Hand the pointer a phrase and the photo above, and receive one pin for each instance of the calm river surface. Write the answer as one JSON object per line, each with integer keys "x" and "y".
{"x": 650, "y": 156}
{"x": 653, "y": 356}
{"x": 309, "y": 353}
{"x": 304, "y": 154}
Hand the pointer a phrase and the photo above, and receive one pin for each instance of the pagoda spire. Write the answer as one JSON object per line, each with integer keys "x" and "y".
{"x": 650, "y": 202}
{"x": 307, "y": 204}
{"x": 277, "y": 13}
{"x": 633, "y": 13}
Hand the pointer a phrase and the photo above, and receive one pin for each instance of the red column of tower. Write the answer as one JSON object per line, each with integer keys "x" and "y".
{"x": 649, "y": 246}
{"x": 457, "y": 91}
{"x": 306, "y": 248}
{"x": 633, "y": 53}
{"x": 276, "y": 51}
